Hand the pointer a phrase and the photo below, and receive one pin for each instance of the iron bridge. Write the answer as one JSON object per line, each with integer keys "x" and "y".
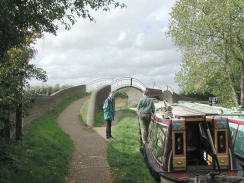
{"x": 116, "y": 84}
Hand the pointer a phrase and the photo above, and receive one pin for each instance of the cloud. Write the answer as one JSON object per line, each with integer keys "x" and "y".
{"x": 129, "y": 42}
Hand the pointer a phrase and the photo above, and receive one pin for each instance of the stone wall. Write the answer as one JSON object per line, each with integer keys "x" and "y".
{"x": 44, "y": 104}
{"x": 96, "y": 103}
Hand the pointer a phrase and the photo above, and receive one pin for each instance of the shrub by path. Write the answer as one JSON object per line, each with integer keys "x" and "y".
{"x": 89, "y": 161}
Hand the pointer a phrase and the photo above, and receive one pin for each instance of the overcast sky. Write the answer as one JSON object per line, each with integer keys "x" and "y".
{"x": 127, "y": 42}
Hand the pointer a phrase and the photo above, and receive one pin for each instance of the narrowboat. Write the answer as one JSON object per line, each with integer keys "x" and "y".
{"x": 236, "y": 124}
{"x": 191, "y": 147}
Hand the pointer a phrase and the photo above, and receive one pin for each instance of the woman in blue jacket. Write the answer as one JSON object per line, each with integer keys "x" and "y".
{"x": 109, "y": 113}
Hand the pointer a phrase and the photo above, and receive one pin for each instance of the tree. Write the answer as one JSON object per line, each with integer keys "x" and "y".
{"x": 15, "y": 73}
{"x": 20, "y": 18}
{"x": 210, "y": 35}
{"x": 21, "y": 23}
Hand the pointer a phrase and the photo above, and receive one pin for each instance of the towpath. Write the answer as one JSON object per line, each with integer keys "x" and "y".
{"x": 89, "y": 162}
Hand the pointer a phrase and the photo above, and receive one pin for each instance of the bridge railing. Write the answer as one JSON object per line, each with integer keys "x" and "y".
{"x": 138, "y": 84}
{"x": 125, "y": 82}
{"x": 97, "y": 83}
{"x": 120, "y": 83}
{"x": 116, "y": 83}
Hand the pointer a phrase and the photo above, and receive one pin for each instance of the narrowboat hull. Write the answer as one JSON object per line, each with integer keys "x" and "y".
{"x": 189, "y": 176}
{"x": 168, "y": 152}
{"x": 236, "y": 125}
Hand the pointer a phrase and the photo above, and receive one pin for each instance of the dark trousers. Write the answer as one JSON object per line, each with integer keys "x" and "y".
{"x": 144, "y": 120}
{"x": 108, "y": 128}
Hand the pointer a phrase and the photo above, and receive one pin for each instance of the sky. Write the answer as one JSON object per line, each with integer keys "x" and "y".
{"x": 128, "y": 42}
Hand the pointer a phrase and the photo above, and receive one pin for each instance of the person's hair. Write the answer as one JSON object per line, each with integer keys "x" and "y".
{"x": 146, "y": 92}
{"x": 111, "y": 92}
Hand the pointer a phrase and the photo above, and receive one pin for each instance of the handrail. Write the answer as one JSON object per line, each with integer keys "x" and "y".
{"x": 116, "y": 84}
{"x": 127, "y": 81}
{"x": 90, "y": 87}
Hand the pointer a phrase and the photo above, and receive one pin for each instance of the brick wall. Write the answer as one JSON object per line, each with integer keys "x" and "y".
{"x": 44, "y": 104}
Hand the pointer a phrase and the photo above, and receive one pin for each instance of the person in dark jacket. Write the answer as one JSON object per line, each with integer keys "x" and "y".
{"x": 109, "y": 113}
{"x": 145, "y": 108}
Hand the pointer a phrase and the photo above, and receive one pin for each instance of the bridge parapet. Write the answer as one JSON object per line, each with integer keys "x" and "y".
{"x": 138, "y": 84}
{"x": 127, "y": 82}
{"x": 116, "y": 84}
{"x": 90, "y": 87}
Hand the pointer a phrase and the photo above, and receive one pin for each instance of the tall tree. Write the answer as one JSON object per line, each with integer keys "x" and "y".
{"x": 210, "y": 35}
{"x": 21, "y": 22}
{"x": 15, "y": 73}
{"x": 20, "y": 18}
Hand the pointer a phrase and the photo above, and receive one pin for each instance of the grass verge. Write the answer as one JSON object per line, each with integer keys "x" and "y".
{"x": 44, "y": 153}
{"x": 83, "y": 112}
{"x": 124, "y": 156}
{"x": 83, "y": 116}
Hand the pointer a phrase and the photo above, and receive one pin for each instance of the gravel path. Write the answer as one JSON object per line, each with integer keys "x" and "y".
{"x": 89, "y": 161}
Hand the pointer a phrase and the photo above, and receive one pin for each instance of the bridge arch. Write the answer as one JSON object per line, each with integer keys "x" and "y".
{"x": 90, "y": 87}
{"x": 131, "y": 86}
{"x": 116, "y": 84}
{"x": 129, "y": 83}
{"x": 120, "y": 83}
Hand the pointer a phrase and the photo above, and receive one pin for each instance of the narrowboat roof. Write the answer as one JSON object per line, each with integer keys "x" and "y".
{"x": 189, "y": 116}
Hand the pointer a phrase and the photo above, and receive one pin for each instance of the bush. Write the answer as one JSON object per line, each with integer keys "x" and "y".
{"x": 46, "y": 90}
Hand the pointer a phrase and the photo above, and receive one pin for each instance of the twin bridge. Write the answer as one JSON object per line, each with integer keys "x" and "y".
{"x": 128, "y": 82}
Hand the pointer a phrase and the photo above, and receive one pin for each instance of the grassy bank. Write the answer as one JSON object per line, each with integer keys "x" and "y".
{"x": 44, "y": 153}
{"x": 124, "y": 157}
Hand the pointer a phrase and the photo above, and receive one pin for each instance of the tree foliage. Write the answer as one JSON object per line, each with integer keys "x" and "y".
{"x": 46, "y": 90}
{"x": 20, "y": 18}
{"x": 210, "y": 35}
{"x": 15, "y": 73}
{"x": 21, "y": 23}
{"x": 122, "y": 95}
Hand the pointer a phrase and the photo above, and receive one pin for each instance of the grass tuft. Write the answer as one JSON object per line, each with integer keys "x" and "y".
{"x": 83, "y": 116}
{"x": 83, "y": 112}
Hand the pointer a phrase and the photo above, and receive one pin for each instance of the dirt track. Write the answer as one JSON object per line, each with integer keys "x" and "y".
{"x": 89, "y": 161}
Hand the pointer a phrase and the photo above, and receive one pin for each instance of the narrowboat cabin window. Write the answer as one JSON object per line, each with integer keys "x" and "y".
{"x": 221, "y": 123}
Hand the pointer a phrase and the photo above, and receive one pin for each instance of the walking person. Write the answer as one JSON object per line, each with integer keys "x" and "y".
{"x": 109, "y": 113}
{"x": 145, "y": 108}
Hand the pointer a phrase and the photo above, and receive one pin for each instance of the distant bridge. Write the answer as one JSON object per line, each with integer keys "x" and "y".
{"x": 119, "y": 83}
{"x": 166, "y": 93}
{"x": 116, "y": 84}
